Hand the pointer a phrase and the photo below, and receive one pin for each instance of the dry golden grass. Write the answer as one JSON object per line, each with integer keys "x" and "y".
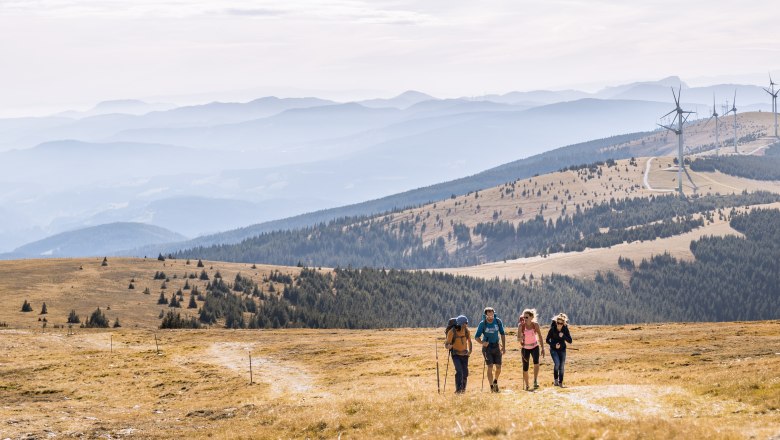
{"x": 83, "y": 285}
{"x": 635, "y": 381}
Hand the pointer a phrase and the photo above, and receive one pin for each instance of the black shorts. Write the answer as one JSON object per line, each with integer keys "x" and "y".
{"x": 527, "y": 354}
{"x": 492, "y": 354}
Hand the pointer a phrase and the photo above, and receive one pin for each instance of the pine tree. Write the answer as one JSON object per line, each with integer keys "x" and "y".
{"x": 160, "y": 257}
{"x": 203, "y": 275}
{"x": 73, "y": 318}
{"x": 26, "y": 307}
{"x": 131, "y": 286}
{"x": 162, "y": 299}
{"x": 192, "y": 304}
{"x": 97, "y": 320}
{"x": 44, "y": 310}
{"x": 200, "y": 263}
{"x": 116, "y": 323}
{"x": 105, "y": 261}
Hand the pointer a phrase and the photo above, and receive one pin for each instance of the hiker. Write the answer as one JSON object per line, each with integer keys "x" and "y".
{"x": 491, "y": 326}
{"x": 529, "y": 334}
{"x": 459, "y": 344}
{"x": 557, "y": 337}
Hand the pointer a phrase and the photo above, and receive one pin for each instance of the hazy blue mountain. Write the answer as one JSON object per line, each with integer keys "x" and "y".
{"x": 535, "y": 97}
{"x": 96, "y": 241}
{"x": 585, "y": 152}
{"x": 275, "y": 133}
{"x": 72, "y": 163}
{"x": 124, "y": 106}
{"x": 402, "y": 101}
{"x": 32, "y": 131}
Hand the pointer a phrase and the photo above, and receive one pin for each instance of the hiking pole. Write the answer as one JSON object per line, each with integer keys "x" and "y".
{"x": 438, "y": 380}
{"x": 484, "y": 361}
{"x": 447, "y": 371}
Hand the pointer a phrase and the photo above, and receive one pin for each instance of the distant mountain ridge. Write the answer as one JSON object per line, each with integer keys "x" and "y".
{"x": 95, "y": 241}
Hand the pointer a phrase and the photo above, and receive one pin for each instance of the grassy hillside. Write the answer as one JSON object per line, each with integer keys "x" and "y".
{"x": 716, "y": 381}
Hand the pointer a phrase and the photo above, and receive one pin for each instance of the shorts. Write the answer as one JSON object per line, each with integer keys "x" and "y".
{"x": 492, "y": 354}
{"x": 527, "y": 354}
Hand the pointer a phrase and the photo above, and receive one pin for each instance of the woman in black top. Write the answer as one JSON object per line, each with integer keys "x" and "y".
{"x": 557, "y": 338}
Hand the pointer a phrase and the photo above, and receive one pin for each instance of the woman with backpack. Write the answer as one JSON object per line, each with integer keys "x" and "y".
{"x": 530, "y": 335}
{"x": 459, "y": 344}
{"x": 557, "y": 337}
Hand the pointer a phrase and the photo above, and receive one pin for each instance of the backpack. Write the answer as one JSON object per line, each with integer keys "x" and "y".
{"x": 496, "y": 319}
{"x": 451, "y": 325}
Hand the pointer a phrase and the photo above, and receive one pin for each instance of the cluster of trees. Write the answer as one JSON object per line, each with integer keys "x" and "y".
{"x": 362, "y": 241}
{"x": 625, "y": 220}
{"x": 732, "y": 278}
{"x": 765, "y": 167}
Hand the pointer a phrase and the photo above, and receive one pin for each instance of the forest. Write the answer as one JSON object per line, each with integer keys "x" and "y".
{"x": 367, "y": 242}
{"x": 765, "y": 167}
{"x": 732, "y": 278}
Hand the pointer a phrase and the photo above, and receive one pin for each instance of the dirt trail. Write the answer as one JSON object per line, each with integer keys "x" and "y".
{"x": 629, "y": 402}
{"x": 284, "y": 377}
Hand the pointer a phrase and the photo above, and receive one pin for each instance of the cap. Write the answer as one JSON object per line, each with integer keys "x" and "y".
{"x": 460, "y": 320}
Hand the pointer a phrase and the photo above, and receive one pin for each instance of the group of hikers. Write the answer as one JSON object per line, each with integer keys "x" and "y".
{"x": 490, "y": 334}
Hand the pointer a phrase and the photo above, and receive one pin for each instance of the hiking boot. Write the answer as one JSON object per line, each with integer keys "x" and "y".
{"x": 560, "y": 384}
{"x": 556, "y": 383}
{"x": 495, "y": 386}
{"x": 536, "y": 385}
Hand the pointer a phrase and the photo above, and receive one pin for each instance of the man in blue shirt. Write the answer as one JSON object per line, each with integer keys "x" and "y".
{"x": 491, "y": 327}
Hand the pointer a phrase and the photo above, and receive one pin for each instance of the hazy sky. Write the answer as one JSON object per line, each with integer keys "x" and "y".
{"x": 71, "y": 53}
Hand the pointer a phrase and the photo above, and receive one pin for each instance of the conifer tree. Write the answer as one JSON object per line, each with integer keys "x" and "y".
{"x": 44, "y": 310}
{"x": 73, "y": 318}
{"x": 26, "y": 307}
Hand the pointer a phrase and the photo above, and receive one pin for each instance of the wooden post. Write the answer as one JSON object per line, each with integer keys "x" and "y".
{"x": 156, "y": 344}
{"x": 250, "y": 368}
{"x": 112, "y": 343}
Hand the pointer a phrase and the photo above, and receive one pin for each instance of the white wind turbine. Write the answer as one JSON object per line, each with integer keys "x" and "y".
{"x": 773, "y": 93}
{"x": 734, "y": 109}
{"x": 680, "y": 117}
{"x": 717, "y": 125}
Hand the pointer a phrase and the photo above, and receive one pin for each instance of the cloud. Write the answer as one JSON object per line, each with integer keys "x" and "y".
{"x": 254, "y": 12}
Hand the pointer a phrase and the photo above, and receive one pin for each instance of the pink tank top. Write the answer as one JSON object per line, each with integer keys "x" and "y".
{"x": 530, "y": 340}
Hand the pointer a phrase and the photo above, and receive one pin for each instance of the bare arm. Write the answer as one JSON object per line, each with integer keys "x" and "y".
{"x": 539, "y": 337}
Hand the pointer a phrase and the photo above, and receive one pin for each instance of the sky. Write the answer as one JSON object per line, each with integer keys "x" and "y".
{"x": 70, "y": 54}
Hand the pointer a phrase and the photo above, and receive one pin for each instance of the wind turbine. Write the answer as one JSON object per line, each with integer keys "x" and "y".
{"x": 734, "y": 109}
{"x": 680, "y": 116}
{"x": 717, "y": 125}
{"x": 773, "y": 93}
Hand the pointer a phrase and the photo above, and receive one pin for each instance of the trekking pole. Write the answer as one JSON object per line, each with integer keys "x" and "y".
{"x": 484, "y": 361}
{"x": 447, "y": 371}
{"x": 438, "y": 380}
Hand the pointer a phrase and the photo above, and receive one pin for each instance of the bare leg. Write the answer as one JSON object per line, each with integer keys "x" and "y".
{"x": 490, "y": 374}
{"x": 536, "y": 372}
{"x": 498, "y": 372}
{"x": 525, "y": 378}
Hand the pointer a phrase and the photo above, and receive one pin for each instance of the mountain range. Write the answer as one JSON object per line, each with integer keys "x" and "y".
{"x": 273, "y": 158}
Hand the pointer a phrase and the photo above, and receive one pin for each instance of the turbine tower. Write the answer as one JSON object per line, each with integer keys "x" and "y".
{"x": 717, "y": 125}
{"x": 734, "y": 109}
{"x": 773, "y": 93}
{"x": 680, "y": 116}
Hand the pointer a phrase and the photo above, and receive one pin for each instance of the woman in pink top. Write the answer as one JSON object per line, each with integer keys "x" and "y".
{"x": 530, "y": 336}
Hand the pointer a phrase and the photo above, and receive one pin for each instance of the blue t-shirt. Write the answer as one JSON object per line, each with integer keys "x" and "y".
{"x": 491, "y": 330}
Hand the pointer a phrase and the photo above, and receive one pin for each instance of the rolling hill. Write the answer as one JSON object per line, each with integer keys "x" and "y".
{"x": 93, "y": 241}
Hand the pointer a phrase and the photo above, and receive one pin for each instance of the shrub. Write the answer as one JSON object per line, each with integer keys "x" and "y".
{"x": 105, "y": 261}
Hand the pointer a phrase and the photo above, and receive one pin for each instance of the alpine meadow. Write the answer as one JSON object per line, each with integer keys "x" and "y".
{"x": 389, "y": 220}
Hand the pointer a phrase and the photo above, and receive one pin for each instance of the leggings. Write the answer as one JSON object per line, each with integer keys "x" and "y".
{"x": 527, "y": 353}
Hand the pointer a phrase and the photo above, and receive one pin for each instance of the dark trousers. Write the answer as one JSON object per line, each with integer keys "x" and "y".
{"x": 559, "y": 359}
{"x": 461, "y": 364}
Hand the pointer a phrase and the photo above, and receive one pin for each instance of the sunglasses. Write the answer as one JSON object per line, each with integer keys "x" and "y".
{"x": 559, "y": 322}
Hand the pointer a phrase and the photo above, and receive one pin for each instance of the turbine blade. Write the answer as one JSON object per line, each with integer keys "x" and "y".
{"x": 668, "y": 114}
{"x": 708, "y": 121}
